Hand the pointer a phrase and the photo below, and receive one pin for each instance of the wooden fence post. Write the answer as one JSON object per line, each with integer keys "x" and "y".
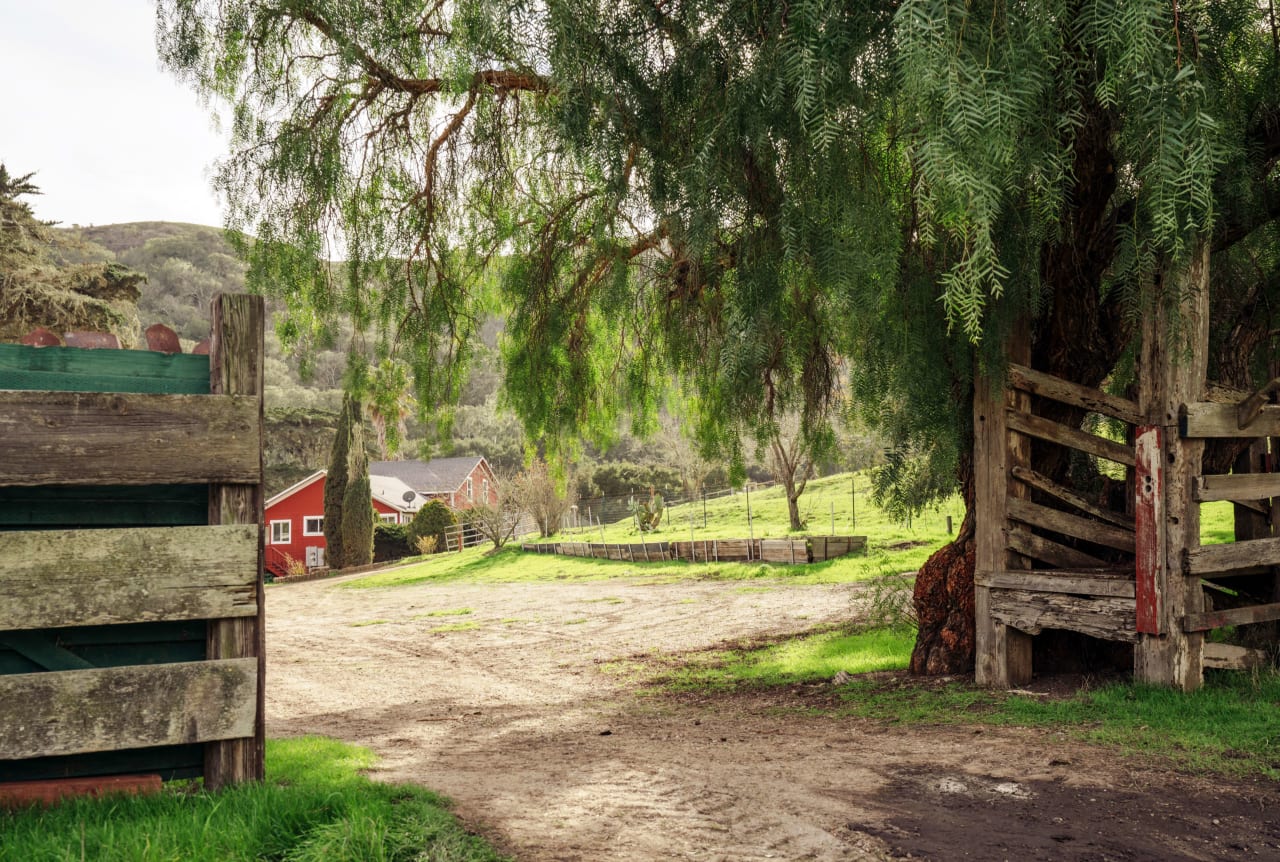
{"x": 1172, "y": 375}
{"x": 235, "y": 368}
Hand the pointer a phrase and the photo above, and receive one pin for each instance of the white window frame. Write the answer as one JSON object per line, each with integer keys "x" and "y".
{"x": 288, "y": 532}
{"x": 388, "y": 517}
{"x": 484, "y": 490}
{"x": 306, "y": 532}
{"x": 470, "y": 490}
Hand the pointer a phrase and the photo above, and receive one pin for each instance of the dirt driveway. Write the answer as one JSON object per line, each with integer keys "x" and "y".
{"x": 508, "y": 711}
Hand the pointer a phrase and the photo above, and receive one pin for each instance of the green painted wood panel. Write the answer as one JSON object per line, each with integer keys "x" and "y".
{"x": 72, "y": 370}
{"x": 69, "y": 369}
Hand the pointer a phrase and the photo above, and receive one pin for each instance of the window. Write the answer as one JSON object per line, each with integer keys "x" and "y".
{"x": 393, "y": 518}
{"x": 484, "y": 490}
{"x": 313, "y": 525}
{"x": 281, "y": 532}
{"x": 469, "y": 486}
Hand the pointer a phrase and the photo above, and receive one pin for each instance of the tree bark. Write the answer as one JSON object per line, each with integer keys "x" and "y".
{"x": 943, "y": 598}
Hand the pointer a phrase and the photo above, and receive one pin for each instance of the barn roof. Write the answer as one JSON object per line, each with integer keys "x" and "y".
{"x": 294, "y": 488}
{"x": 437, "y": 476}
{"x": 395, "y": 493}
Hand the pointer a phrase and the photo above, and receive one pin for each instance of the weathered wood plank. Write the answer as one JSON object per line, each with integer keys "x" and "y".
{"x": 1105, "y": 617}
{"x": 1223, "y": 559}
{"x": 1050, "y": 552}
{"x": 1209, "y": 419}
{"x": 55, "y": 578}
{"x": 1060, "y": 581}
{"x": 1072, "y": 438}
{"x": 1250, "y": 407}
{"x": 1149, "y": 508}
{"x": 77, "y": 438}
{"x": 1071, "y": 498}
{"x": 1067, "y": 524}
{"x": 236, "y": 358}
{"x": 1230, "y": 617}
{"x": 1232, "y": 657}
{"x": 1086, "y": 397}
{"x": 1237, "y": 486}
{"x": 1172, "y": 363}
{"x": 126, "y": 707}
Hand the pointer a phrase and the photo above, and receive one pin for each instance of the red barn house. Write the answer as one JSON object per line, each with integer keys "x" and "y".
{"x": 295, "y": 517}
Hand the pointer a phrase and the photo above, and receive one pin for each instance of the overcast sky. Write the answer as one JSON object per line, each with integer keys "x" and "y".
{"x": 111, "y": 136}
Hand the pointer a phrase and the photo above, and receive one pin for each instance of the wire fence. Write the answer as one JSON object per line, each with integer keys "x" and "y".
{"x": 592, "y": 512}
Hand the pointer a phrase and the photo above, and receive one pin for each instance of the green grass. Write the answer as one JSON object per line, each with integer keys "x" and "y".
{"x": 1217, "y": 523}
{"x": 456, "y": 627}
{"x": 364, "y": 623}
{"x": 452, "y": 612}
{"x": 1230, "y": 726}
{"x": 314, "y": 807}
{"x": 807, "y": 658}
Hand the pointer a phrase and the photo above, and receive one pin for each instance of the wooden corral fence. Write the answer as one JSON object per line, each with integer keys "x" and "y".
{"x": 131, "y": 636}
{"x": 816, "y": 549}
{"x": 1051, "y": 557}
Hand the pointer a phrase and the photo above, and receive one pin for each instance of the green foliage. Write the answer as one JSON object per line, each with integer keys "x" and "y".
{"x": 432, "y": 520}
{"x": 335, "y": 486}
{"x": 623, "y": 478}
{"x": 391, "y": 542}
{"x": 357, "y": 521}
{"x": 647, "y": 513}
{"x": 315, "y": 805}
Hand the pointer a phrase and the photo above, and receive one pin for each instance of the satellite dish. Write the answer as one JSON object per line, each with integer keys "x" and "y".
{"x": 409, "y": 495}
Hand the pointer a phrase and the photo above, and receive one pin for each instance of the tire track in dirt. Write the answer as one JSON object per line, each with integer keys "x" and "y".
{"x": 555, "y": 760}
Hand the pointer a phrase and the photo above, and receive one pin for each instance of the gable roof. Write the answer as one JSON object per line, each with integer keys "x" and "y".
{"x": 395, "y": 493}
{"x": 437, "y": 476}
{"x": 295, "y": 488}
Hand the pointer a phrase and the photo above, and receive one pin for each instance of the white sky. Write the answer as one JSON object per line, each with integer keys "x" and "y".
{"x": 112, "y": 138}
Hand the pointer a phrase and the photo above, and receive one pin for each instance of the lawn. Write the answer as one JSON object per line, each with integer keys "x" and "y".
{"x": 314, "y": 806}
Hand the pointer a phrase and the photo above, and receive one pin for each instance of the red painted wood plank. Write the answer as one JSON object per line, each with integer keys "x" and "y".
{"x": 14, "y": 794}
{"x": 1148, "y": 520}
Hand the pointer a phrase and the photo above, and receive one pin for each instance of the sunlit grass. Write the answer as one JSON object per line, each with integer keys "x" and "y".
{"x": 314, "y": 806}
{"x": 802, "y": 659}
{"x": 456, "y": 627}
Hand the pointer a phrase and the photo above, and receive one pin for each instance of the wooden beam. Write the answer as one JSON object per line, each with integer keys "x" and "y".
{"x": 1077, "y": 582}
{"x": 55, "y": 578}
{"x": 111, "y": 708}
{"x": 1249, "y": 408}
{"x": 1230, "y": 617}
{"x": 1223, "y": 559}
{"x": 236, "y": 358}
{"x": 1048, "y": 551}
{"x": 1071, "y": 498}
{"x": 1035, "y": 515}
{"x": 1209, "y": 419}
{"x": 1232, "y": 657}
{"x": 86, "y": 438}
{"x": 1240, "y": 487}
{"x": 1149, "y": 509}
{"x": 1084, "y": 397}
{"x": 1105, "y": 617}
{"x": 1072, "y": 438}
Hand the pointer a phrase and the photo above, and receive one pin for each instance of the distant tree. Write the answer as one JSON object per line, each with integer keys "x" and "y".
{"x": 498, "y": 521}
{"x": 433, "y": 519}
{"x": 357, "y": 501}
{"x": 335, "y": 485}
{"x": 537, "y": 492}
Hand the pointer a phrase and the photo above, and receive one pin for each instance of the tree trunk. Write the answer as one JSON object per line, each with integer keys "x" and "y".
{"x": 793, "y": 507}
{"x": 943, "y": 599}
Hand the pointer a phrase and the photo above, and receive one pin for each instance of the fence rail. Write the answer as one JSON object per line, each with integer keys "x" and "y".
{"x": 815, "y": 549}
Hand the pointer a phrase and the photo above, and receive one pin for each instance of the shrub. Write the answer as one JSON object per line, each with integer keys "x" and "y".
{"x": 391, "y": 542}
{"x": 432, "y": 520}
{"x": 426, "y": 545}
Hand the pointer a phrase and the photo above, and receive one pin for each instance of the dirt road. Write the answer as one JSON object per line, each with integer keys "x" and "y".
{"x": 509, "y": 710}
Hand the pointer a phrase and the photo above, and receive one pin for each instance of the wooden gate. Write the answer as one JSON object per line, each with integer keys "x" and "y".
{"x": 130, "y": 559}
{"x": 1048, "y": 557}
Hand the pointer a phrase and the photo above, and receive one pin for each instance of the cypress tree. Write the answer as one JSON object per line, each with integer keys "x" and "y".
{"x": 357, "y": 502}
{"x": 335, "y": 487}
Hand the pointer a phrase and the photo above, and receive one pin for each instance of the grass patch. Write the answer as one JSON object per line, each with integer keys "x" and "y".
{"x": 1229, "y": 726}
{"x": 364, "y": 623}
{"x": 577, "y": 622}
{"x": 456, "y": 627}
{"x": 808, "y": 658}
{"x": 313, "y": 806}
{"x": 453, "y": 612}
